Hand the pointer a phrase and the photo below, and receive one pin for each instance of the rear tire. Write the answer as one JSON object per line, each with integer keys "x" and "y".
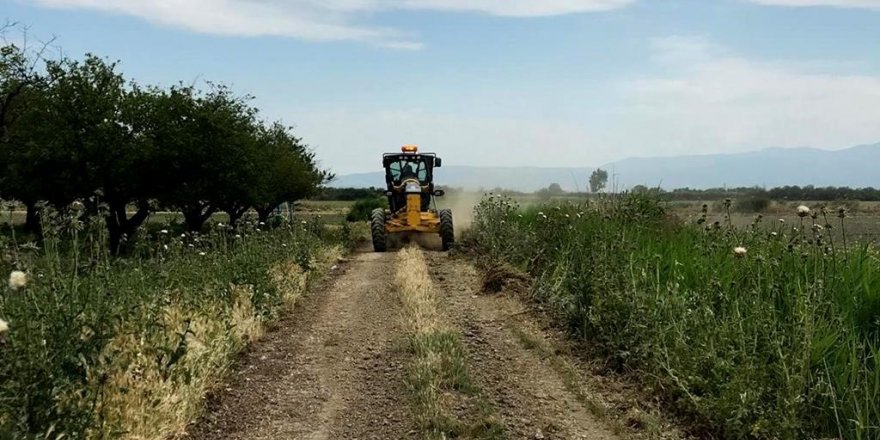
{"x": 447, "y": 230}
{"x": 377, "y": 229}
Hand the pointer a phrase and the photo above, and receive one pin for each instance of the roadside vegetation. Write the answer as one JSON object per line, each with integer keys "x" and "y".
{"x": 96, "y": 347}
{"x": 763, "y": 331}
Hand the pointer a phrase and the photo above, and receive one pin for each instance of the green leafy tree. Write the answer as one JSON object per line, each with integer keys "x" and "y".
{"x": 598, "y": 180}
{"x": 94, "y": 128}
{"x": 206, "y": 144}
{"x": 288, "y": 170}
{"x": 80, "y": 132}
{"x": 553, "y": 190}
{"x": 21, "y": 87}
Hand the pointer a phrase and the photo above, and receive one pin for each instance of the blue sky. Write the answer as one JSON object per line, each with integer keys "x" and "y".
{"x": 507, "y": 82}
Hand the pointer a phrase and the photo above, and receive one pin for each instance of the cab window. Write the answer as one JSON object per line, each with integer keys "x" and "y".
{"x": 403, "y": 169}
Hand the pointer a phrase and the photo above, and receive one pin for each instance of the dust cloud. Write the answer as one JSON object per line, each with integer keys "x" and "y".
{"x": 462, "y": 205}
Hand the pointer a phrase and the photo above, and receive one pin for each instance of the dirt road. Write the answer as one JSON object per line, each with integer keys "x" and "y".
{"x": 337, "y": 366}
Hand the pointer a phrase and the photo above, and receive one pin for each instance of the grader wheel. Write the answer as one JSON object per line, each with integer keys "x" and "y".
{"x": 377, "y": 229}
{"x": 447, "y": 230}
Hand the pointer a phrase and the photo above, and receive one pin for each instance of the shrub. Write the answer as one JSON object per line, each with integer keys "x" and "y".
{"x": 362, "y": 208}
{"x": 751, "y": 204}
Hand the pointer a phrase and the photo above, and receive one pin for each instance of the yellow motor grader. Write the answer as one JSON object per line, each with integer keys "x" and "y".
{"x": 409, "y": 177}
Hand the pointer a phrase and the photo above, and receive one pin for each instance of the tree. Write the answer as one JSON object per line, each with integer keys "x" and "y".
{"x": 553, "y": 190}
{"x": 18, "y": 75}
{"x": 80, "y": 132}
{"x": 20, "y": 86}
{"x": 288, "y": 170}
{"x": 94, "y": 128}
{"x": 598, "y": 180}
{"x": 207, "y": 144}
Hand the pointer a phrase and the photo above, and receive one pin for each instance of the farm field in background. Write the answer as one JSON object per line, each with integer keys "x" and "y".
{"x": 862, "y": 226}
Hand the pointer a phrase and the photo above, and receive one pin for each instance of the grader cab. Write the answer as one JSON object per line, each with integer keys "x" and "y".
{"x": 409, "y": 178}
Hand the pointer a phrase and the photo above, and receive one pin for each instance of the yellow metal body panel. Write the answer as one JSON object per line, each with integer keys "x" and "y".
{"x": 412, "y": 219}
{"x": 413, "y": 209}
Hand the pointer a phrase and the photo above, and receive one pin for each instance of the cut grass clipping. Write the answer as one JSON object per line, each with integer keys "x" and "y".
{"x": 447, "y": 403}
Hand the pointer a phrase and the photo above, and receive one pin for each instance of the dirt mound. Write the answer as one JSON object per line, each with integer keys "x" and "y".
{"x": 500, "y": 277}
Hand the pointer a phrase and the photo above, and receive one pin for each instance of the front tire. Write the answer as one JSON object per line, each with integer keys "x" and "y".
{"x": 377, "y": 230}
{"x": 447, "y": 230}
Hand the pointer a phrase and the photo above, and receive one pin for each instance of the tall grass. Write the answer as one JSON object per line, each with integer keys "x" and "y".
{"x": 778, "y": 339}
{"x": 99, "y": 347}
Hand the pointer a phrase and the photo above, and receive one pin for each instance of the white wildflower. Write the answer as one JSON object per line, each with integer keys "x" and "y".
{"x": 220, "y": 225}
{"x": 773, "y": 234}
{"x": 164, "y": 231}
{"x": 4, "y": 326}
{"x": 237, "y": 235}
{"x": 202, "y": 254}
{"x": 17, "y": 279}
{"x": 739, "y": 251}
{"x": 803, "y": 211}
{"x": 165, "y": 246}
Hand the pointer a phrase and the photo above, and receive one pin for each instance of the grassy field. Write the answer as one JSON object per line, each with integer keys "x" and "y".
{"x": 766, "y": 332}
{"x": 101, "y": 347}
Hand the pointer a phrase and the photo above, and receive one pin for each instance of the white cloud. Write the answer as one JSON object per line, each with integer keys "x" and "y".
{"x": 301, "y": 19}
{"x": 318, "y": 20}
{"x": 716, "y": 101}
{"x": 514, "y": 8}
{"x": 835, "y": 3}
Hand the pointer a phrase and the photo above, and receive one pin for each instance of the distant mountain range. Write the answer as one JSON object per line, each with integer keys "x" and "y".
{"x": 855, "y": 167}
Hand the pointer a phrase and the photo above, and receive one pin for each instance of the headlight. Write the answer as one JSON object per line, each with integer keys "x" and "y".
{"x": 413, "y": 188}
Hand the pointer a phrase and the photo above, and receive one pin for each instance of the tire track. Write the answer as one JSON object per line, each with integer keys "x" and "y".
{"x": 531, "y": 398}
{"x": 331, "y": 370}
